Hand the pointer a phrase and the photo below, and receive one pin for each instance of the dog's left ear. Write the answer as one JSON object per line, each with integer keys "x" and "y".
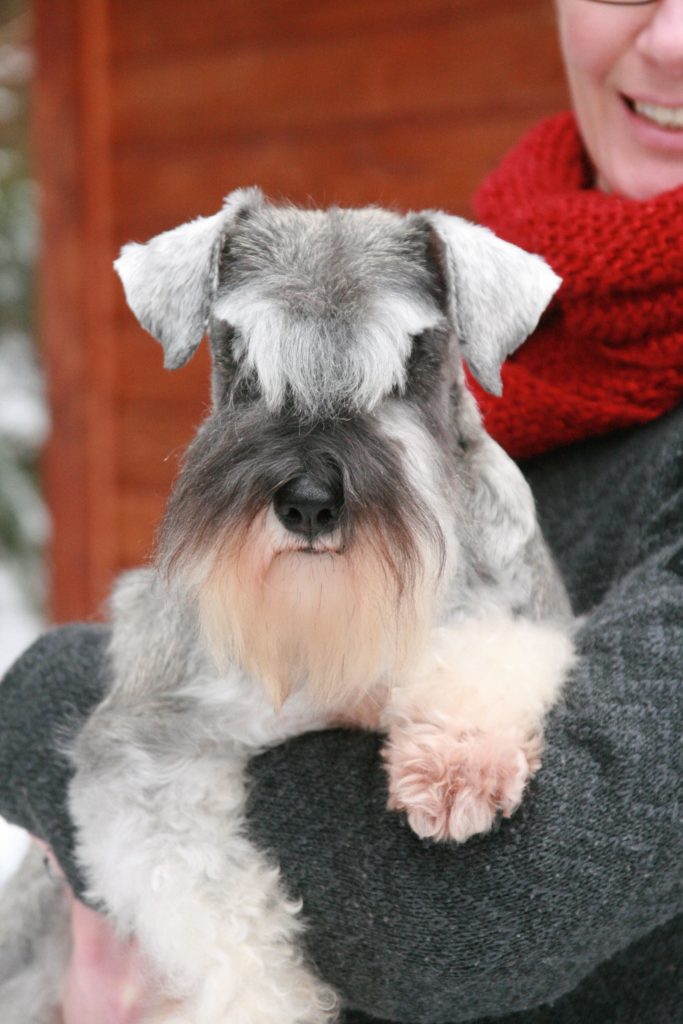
{"x": 496, "y": 293}
{"x": 170, "y": 281}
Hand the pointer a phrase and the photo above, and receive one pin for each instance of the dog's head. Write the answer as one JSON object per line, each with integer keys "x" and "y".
{"x": 317, "y": 509}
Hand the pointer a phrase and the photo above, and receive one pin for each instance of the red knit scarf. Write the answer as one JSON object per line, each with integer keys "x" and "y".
{"x": 608, "y": 353}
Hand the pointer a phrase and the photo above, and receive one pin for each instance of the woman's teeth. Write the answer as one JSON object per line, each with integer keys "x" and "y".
{"x": 665, "y": 117}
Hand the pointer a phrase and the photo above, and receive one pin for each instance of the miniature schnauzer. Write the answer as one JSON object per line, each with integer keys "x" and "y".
{"x": 344, "y": 543}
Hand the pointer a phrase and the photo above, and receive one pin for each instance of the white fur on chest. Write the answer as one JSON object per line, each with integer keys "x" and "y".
{"x": 237, "y": 708}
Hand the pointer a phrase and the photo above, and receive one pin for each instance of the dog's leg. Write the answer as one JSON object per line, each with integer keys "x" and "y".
{"x": 466, "y": 728}
{"x": 34, "y": 944}
{"x": 162, "y": 842}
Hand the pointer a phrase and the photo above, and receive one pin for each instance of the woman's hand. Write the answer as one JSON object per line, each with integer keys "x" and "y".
{"x": 106, "y": 979}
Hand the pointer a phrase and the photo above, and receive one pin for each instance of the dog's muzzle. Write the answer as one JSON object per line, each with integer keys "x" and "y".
{"x": 309, "y": 506}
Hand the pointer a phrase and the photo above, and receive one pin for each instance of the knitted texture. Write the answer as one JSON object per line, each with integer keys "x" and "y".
{"x": 609, "y": 351}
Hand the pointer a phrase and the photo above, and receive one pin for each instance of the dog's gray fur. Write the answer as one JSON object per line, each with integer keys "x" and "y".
{"x": 337, "y": 340}
{"x": 34, "y": 944}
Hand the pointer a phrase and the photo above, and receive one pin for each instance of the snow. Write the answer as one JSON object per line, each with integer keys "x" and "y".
{"x": 23, "y": 427}
{"x": 24, "y": 523}
{"x": 23, "y": 415}
{"x": 13, "y": 845}
{"x": 19, "y": 626}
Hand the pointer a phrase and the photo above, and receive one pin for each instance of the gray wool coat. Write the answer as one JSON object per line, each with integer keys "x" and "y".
{"x": 572, "y": 911}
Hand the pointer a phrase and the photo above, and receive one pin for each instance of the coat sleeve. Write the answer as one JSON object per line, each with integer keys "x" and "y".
{"x": 44, "y": 699}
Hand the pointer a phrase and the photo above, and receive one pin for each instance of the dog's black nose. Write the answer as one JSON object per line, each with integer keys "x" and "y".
{"x": 309, "y": 506}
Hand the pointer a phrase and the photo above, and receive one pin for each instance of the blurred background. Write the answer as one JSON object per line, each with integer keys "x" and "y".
{"x": 121, "y": 118}
{"x": 23, "y": 410}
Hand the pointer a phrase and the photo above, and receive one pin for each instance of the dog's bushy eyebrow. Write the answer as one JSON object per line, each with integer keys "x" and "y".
{"x": 325, "y": 304}
{"x": 341, "y": 252}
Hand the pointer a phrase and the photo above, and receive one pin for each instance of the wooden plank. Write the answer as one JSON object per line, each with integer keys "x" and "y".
{"x": 141, "y": 374}
{"x": 55, "y": 112}
{"x": 403, "y": 163}
{"x": 61, "y": 327}
{"x": 143, "y": 31}
{"x": 471, "y": 65}
{"x": 139, "y": 516}
{"x": 75, "y": 289}
{"x": 98, "y": 296}
{"x": 153, "y": 437}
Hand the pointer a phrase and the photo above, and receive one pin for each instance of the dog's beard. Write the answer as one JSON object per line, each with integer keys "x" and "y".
{"x": 335, "y": 621}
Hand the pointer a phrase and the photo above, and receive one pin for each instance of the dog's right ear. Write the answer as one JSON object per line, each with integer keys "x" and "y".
{"x": 496, "y": 292}
{"x": 170, "y": 281}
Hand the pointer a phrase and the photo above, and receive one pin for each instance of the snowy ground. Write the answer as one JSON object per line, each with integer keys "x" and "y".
{"x": 23, "y": 412}
{"x": 13, "y": 843}
{"x": 19, "y": 624}
{"x": 23, "y": 427}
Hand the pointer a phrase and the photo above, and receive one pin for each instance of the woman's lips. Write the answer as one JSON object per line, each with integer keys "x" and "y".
{"x": 664, "y": 115}
{"x": 657, "y": 127}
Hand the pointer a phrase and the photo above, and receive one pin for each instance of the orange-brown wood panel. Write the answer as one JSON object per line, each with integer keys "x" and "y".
{"x": 141, "y": 374}
{"x": 140, "y": 513}
{"x": 405, "y": 163}
{"x": 56, "y": 163}
{"x": 144, "y": 30}
{"x": 472, "y": 62}
{"x": 72, "y": 166}
{"x": 153, "y": 437}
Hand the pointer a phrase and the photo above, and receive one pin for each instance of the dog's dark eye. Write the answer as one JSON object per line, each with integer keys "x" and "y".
{"x": 413, "y": 354}
{"x": 421, "y": 347}
{"x": 424, "y": 364}
{"x": 245, "y": 387}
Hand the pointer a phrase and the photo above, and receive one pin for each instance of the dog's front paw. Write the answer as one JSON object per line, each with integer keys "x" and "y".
{"x": 453, "y": 779}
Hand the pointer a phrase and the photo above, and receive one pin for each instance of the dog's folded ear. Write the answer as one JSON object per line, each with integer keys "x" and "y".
{"x": 170, "y": 281}
{"x": 496, "y": 293}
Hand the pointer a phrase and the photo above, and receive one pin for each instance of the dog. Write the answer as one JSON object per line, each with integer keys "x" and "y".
{"x": 344, "y": 544}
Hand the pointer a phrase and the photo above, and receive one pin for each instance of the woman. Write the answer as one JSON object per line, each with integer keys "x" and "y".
{"x": 572, "y": 911}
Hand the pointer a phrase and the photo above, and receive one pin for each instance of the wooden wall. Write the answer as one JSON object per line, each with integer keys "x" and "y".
{"x": 148, "y": 111}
